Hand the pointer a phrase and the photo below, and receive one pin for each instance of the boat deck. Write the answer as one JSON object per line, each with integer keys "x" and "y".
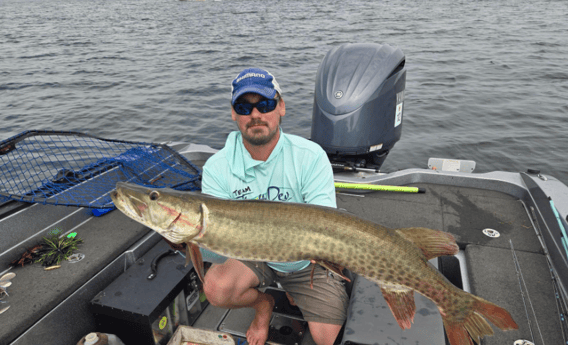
{"x": 51, "y": 307}
{"x": 465, "y": 213}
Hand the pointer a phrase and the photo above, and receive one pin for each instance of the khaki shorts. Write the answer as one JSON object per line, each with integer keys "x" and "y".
{"x": 327, "y": 302}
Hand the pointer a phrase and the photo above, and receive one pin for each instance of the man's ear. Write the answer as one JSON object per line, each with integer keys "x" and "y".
{"x": 283, "y": 105}
{"x": 233, "y": 114}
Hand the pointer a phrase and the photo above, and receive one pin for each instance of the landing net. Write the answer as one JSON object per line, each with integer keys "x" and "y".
{"x": 77, "y": 169}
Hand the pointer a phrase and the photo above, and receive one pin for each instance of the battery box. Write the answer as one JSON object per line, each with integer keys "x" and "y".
{"x": 146, "y": 311}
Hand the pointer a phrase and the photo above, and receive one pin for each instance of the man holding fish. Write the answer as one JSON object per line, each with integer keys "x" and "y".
{"x": 261, "y": 162}
{"x": 268, "y": 238}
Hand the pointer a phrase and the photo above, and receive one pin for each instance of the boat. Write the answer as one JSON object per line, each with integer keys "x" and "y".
{"x": 510, "y": 227}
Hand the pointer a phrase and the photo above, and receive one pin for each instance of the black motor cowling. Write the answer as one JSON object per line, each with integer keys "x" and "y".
{"x": 358, "y": 103}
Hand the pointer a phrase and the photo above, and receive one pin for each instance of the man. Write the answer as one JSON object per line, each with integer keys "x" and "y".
{"x": 261, "y": 162}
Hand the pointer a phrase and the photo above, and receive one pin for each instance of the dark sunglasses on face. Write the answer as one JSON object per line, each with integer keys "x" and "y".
{"x": 264, "y": 106}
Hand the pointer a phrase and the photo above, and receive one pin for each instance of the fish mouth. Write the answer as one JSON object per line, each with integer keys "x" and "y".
{"x": 136, "y": 206}
{"x": 130, "y": 204}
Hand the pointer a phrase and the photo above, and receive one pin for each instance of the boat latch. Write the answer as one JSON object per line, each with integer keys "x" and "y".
{"x": 491, "y": 233}
{"x": 537, "y": 173}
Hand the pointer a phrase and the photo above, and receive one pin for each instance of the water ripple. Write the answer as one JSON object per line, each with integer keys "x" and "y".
{"x": 486, "y": 80}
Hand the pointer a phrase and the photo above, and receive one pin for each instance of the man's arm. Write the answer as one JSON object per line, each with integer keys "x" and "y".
{"x": 212, "y": 184}
{"x": 317, "y": 182}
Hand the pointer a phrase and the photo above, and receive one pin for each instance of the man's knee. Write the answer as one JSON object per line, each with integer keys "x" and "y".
{"x": 217, "y": 288}
{"x": 323, "y": 333}
{"x": 225, "y": 282}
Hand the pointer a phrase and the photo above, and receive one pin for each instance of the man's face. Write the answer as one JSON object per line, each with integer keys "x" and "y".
{"x": 257, "y": 128}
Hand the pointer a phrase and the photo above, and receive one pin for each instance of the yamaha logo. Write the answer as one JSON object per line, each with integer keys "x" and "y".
{"x": 338, "y": 94}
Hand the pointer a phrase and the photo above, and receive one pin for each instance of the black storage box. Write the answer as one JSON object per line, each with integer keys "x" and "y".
{"x": 147, "y": 312}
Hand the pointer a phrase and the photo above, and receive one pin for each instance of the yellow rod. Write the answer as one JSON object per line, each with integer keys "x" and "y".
{"x": 379, "y": 187}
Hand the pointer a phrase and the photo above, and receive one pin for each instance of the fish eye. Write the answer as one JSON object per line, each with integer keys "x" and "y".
{"x": 154, "y": 195}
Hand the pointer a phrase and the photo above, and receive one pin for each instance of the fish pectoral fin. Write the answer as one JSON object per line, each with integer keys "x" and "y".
{"x": 433, "y": 243}
{"x": 333, "y": 267}
{"x": 312, "y": 277}
{"x": 401, "y": 304}
{"x": 195, "y": 254}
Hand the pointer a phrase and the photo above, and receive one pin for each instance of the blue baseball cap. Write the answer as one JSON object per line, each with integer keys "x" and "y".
{"x": 254, "y": 80}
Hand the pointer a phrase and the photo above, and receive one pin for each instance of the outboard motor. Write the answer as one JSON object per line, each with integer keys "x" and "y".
{"x": 358, "y": 104}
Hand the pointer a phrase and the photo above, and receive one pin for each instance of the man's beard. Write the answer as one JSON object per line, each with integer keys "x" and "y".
{"x": 259, "y": 140}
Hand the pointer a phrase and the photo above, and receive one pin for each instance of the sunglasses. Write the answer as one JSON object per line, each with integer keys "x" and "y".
{"x": 264, "y": 106}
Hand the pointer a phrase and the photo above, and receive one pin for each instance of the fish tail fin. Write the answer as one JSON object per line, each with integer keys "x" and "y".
{"x": 401, "y": 304}
{"x": 433, "y": 243}
{"x": 497, "y": 315}
{"x": 474, "y": 326}
{"x": 457, "y": 333}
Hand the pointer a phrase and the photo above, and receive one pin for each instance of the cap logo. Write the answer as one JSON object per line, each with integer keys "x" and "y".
{"x": 254, "y": 80}
{"x": 251, "y": 75}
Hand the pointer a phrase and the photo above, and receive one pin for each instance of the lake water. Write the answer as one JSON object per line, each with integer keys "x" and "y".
{"x": 486, "y": 80}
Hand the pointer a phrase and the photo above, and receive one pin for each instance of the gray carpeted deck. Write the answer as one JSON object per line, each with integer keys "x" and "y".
{"x": 34, "y": 291}
{"x": 465, "y": 212}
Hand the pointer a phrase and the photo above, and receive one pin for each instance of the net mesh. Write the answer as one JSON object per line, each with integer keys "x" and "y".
{"x": 76, "y": 169}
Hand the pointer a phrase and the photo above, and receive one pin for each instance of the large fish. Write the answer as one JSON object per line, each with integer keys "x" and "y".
{"x": 269, "y": 231}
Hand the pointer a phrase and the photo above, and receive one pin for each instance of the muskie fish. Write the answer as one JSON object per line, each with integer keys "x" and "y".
{"x": 271, "y": 231}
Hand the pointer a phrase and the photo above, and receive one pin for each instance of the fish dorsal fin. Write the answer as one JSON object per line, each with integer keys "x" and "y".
{"x": 433, "y": 243}
{"x": 401, "y": 304}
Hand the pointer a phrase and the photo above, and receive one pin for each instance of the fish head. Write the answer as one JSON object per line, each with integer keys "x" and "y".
{"x": 163, "y": 210}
